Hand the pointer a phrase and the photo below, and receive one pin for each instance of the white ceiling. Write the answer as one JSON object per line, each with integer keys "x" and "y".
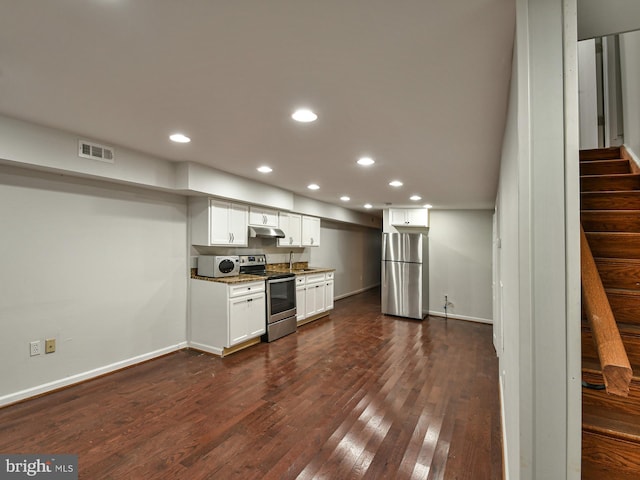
{"x": 419, "y": 85}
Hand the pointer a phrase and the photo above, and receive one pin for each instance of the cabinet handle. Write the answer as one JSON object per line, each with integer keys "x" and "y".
{"x": 250, "y": 300}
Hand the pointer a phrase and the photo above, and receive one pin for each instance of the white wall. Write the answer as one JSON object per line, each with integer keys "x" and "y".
{"x": 630, "y": 73}
{"x": 588, "y": 94}
{"x": 597, "y": 18}
{"x": 100, "y": 267}
{"x": 355, "y": 254}
{"x": 538, "y": 206}
{"x": 460, "y": 259}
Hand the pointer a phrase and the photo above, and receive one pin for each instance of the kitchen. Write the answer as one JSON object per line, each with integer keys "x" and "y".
{"x": 136, "y": 243}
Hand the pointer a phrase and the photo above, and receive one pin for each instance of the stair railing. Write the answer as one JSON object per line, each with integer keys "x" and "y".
{"x": 616, "y": 369}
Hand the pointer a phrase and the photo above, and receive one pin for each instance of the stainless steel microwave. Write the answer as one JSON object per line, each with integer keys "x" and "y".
{"x": 218, "y": 266}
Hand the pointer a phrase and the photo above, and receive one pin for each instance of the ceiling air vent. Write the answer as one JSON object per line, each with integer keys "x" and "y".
{"x": 95, "y": 151}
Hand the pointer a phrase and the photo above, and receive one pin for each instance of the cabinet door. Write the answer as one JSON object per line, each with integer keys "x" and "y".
{"x": 397, "y": 216}
{"x": 290, "y": 224}
{"x": 310, "y": 231}
{"x": 256, "y": 316}
{"x": 246, "y": 318}
{"x": 418, "y": 217}
{"x": 315, "y": 299}
{"x": 219, "y": 223}
{"x": 238, "y": 226}
{"x": 300, "y": 303}
{"x": 310, "y": 301}
{"x": 270, "y": 218}
{"x": 320, "y": 292}
{"x": 295, "y": 229}
{"x": 328, "y": 295}
{"x": 263, "y": 217}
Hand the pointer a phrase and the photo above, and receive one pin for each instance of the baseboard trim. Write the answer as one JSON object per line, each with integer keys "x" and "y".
{"x": 630, "y": 155}
{"x": 461, "y": 317}
{"x": 356, "y": 292}
{"x": 505, "y": 457}
{"x": 205, "y": 348}
{"x": 88, "y": 375}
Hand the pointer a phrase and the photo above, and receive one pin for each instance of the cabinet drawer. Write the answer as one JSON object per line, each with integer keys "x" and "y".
{"x": 329, "y": 275}
{"x": 301, "y": 279}
{"x": 245, "y": 288}
{"x": 315, "y": 278}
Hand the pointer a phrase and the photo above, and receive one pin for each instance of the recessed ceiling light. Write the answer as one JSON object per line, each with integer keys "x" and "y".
{"x": 313, "y": 186}
{"x": 265, "y": 169}
{"x": 179, "y": 138}
{"x": 345, "y": 198}
{"x": 304, "y": 115}
{"x": 415, "y": 198}
{"x": 368, "y": 205}
{"x": 395, "y": 183}
{"x": 366, "y": 161}
{"x": 428, "y": 205}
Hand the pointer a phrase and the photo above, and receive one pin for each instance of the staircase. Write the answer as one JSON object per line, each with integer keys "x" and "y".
{"x": 610, "y": 203}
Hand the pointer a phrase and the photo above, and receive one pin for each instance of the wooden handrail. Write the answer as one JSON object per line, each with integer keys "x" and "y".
{"x": 614, "y": 362}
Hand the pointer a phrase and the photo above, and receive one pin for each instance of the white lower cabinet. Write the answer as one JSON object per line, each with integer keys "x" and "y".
{"x": 301, "y": 297}
{"x": 314, "y": 294}
{"x": 328, "y": 295}
{"x": 246, "y": 318}
{"x": 314, "y": 299}
{"x": 224, "y": 315}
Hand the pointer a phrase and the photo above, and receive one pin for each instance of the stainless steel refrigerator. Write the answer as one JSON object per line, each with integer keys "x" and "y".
{"x": 405, "y": 274}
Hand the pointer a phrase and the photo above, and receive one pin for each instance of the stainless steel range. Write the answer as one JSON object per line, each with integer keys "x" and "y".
{"x": 281, "y": 296}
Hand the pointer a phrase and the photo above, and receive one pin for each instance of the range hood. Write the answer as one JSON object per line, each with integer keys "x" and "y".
{"x": 265, "y": 232}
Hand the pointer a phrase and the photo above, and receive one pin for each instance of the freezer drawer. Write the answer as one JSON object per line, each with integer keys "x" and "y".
{"x": 402, "y": 289}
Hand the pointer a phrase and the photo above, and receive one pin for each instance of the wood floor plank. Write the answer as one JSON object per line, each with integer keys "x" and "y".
{"x": 354, "y": 395}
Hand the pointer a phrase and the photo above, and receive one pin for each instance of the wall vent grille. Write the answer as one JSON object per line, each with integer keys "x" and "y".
{"x": 95, "y": 151}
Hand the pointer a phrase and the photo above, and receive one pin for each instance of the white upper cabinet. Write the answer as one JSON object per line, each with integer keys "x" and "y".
{"x": 215, "y": 222}
{"x": 263, "y": 216}
{"x": 409, "y": 217}
{"x": 291, "y": 225}
{"x": 310, "y": 231}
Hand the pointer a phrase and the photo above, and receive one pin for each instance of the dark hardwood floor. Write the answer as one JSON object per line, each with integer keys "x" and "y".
{"x": 354, "y": 395}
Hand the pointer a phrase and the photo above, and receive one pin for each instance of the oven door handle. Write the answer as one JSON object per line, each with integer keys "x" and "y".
{"x": 281, "y": 280}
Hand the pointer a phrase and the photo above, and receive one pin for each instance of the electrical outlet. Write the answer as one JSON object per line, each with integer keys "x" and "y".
{"x": 35, "y": 348}
{"x": 50, "y": 345}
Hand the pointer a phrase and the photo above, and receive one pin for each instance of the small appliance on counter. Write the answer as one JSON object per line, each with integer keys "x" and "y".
{"x": 218, "y": 266}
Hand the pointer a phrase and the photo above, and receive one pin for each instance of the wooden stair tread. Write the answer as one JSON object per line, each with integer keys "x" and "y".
{"x": 624, "y": 426}
{"x": 617, "y": 261}
{"x": 614, "y": 244}
{"x": 611, "y": 176}
{"x": 610, "y": 200}
{"x": 621, "y": 220}
{"x": 614, "y": 182}
{"x": 626, "y": 328}
{"x": 603, "y": 167}
{"x": 623, "y": 291}
{"x": 619, "y": 272}
{"x": 610, "y": 153}
{"x": 591, "y": 366}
